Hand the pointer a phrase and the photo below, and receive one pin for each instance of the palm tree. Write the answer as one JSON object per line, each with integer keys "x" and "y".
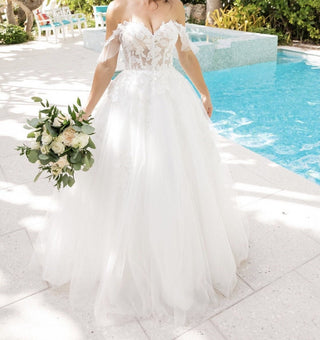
{"x": 9, "y": 13}
{"x": 211, "y": 6}
{"x": 27, "y": 6}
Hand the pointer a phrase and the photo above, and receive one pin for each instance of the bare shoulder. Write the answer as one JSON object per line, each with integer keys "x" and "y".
{"x": 116, "y": 11}
{"x": 178, "y": 11}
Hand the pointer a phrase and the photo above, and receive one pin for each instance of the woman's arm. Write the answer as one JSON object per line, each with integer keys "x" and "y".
{"x": 104, "y": 70}
{"x": 191, "y": 66}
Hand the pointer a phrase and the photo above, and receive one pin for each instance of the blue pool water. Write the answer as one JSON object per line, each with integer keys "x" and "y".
{"x": 272, "y": 109}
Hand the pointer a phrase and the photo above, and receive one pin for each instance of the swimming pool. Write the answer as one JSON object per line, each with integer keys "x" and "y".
{"x": 273, "y": 109}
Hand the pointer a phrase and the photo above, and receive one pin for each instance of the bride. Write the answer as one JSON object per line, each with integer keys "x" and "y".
{"x": 152, "y": 230}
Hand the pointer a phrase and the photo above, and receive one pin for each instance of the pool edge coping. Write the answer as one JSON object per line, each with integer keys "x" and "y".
{"x": 301, "y": 50}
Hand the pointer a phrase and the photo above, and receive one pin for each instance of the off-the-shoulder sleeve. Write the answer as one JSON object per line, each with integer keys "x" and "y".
{"x": 186, "y": 43}
{"x": 111, "y": 46}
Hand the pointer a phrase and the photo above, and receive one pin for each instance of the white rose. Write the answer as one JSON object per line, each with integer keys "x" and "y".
{"x": 46, "y": 138}
{"x": 44, "y": 149}
{"x": 57, "y": 147}
{"x": 35, "y": 145}
{"x": 60, "y": 138}
{"x": 57, "y": 122}
{"x": 80, "y": 140}
{"x": 63, "y": 161}
{"x": 55, "y": 169}
{"x": 67, "y": 135}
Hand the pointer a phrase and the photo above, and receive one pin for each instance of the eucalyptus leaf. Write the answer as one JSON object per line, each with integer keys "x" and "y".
{"x": 28, "y": 127}
{"x": 91, "y": 161}
{"x": 33, "y": 122}
{"x": 65, "y": 178}
{"x": 44, "y": 161}
{"x": 53, "y": 132}
{"x": 76, "y": 157}
{"x": 86, "y": 161}
{"x": 43, "y": 157}
{"x": 87, "y": 129}
{"x": 77, "y": 166}
{"x": 32, "y": 156}
{"x": 71, "y": 181}
{"x": 91, "y": 144}
{"x": 77, "y": 128}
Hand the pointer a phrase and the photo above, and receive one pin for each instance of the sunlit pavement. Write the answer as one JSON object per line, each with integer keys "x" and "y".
{"x": 278, "y": 291}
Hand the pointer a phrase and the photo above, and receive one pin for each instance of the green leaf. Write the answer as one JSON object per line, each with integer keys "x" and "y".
{"x": 86, "y": 161}
{"x": 78, "y": 101}
{"x": 71, "y": 181}
{"x": 76, "y": 166}
{"x": 27, "y": 127}
{"x": 44, "y": 161}
{"x": 69, "y": 110}
{"x": 65, "y": 178}
{"x": 31, "y": 135}
{"x": 38, "y": 175}
{"x": 36, "y": 99}
{"x": 76, "y": 157}
{"x": 54, "y": 157}
{"x": 53, "y": 132}
{"x": 33, "y": 122}
{"x": 43, "y": 157}
{"x": 45, "y": 110}
{"x": 91, "y": 144}
{"x": 75, "y": 108}
{"x": 77, "y": 128}
{"x": 87, "y": 129}
{"x": 32, "y": 156}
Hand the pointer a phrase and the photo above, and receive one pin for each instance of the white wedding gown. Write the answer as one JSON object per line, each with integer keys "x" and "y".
{"x": 152, "y": 229}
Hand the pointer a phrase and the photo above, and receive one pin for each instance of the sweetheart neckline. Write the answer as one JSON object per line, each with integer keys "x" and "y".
{"x": 164, "y": 23}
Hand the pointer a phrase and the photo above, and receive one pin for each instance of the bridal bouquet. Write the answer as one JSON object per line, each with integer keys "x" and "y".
{"x": 60, "y": 142}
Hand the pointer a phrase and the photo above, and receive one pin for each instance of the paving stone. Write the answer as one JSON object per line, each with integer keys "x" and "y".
{"x": 275, "y": 250}
{"x": 287, "y": 309}
{"x": 47, "y": 315}
{"x": 16, "y": 281}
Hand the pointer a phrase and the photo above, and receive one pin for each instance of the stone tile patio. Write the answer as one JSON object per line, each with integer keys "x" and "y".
{"x": 277, "y": 296}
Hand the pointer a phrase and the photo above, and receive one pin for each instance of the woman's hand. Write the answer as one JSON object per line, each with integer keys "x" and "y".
{"x": 83, "y": 116}
{"x": 206, "y": 101}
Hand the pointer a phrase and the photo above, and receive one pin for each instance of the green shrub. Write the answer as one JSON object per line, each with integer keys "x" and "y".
{"x": 12, "y": 34}
{"x": 238, "y": 17}
{"x": 283, "y": 39}
{"x": 299, "y": 19}
{"x": 84, "y": 6}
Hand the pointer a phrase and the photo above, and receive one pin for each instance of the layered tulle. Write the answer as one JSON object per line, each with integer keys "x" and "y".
{"x": 153, "y": 228}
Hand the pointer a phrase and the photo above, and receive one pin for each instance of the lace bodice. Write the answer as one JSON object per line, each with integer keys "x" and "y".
{"x": 142, "y": 49}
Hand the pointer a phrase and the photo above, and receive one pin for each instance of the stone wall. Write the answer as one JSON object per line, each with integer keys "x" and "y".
{"x": 195, "y": 13}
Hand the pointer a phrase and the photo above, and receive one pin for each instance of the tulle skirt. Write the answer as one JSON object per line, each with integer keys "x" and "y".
{"x": 152, "y": 229}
